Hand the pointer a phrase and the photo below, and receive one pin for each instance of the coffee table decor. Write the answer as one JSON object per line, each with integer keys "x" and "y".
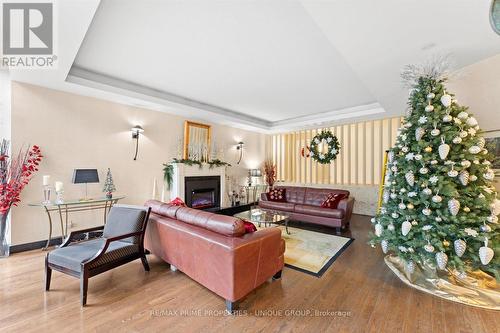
{"x": 265, "y": 217}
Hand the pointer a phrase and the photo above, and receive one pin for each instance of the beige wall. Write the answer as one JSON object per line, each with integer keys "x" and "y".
{"x": 74, "y": 131}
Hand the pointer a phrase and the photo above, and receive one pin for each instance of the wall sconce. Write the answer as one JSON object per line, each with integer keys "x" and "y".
{"x": 239, "y": 147}
{"x": 136, "y": 131}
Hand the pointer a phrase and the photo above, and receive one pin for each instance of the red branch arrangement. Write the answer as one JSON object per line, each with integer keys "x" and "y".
{"x": 270, "y": 172}
{"x": 15, "y": 173}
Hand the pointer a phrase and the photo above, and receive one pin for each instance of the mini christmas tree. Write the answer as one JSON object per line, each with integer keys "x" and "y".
{"x": 439, "y": 205}
{"x": 109, "y": 186}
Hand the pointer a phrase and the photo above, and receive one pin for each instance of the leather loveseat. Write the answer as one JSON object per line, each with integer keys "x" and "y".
{"x": 214, "y": 250}
{"x": 304, "y": 205}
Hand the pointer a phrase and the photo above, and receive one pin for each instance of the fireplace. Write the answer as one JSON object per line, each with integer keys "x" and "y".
{"x": 202, "y": 192}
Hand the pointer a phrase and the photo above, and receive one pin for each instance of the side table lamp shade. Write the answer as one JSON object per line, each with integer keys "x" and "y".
{"x": 85, "y": 176}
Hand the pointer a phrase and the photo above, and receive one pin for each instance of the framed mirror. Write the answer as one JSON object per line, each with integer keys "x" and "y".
{"x": 495, "y": 16}
{"x": 196, "y": 141}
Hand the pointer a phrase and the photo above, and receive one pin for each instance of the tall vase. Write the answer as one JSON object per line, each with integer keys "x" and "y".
{"x": 4, "y": 244}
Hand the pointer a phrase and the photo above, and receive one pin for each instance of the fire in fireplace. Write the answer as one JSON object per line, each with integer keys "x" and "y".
{"x": 202, "y": 192}
{"x": 203, "y": 198}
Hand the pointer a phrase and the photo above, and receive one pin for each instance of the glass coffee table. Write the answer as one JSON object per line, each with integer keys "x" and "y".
{"x": 266, "y": 217}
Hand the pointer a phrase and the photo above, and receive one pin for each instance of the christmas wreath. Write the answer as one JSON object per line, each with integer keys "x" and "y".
{"x": 324, "y": 147}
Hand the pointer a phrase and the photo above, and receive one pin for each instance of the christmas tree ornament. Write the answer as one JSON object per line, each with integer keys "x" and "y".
{"x": 441, "y": 260}
{"x": 428, "y": 149}
{"x": 429, "y": 248}
{"x": 460, "y": 247}
{"x": 419, "y": 133}
{"x": 394, "y": 215}
{"x": 485, "y": 228}
{"x": 471, "y": 122}
{"x": 465, "y": 163}
{"x": 423, "y": 170}
{"x": 453, "y": 206}
{"x": 426, "y": 211}
{"x": 484, "y": 151}
{"x": 423, "y": 120}
{"x": 391, "y": 227}
{"x": 438, "y": 219}
{"x": 373, "y": 220}
{"x": 405, "y": 149}
{"x": 394, "y": 168}
{"x": 474, "y": 150}
{"x": 452, "y": 172}
{"x": 427, "y": 191}
{"x": 492, "y": 219}
{"x": 435, "y": 131}
{"x": 414, "y": 222}
{"x": 405, "y": 227}
{"x": 464, "y": 177}
{"x": 475, "y": 161}
{"x": 485, "y": 253}
{"x": 434, "y": 162}
{"x": 437, "y": 199}
{"x": 410, "y": 178}
{"x": 429, "y": 108}
{"x": 486, "y": 162}
{"x": 418, "y": 157}
{"x": 463, "y": 134}
{"x": 446, "y": 100}
{"x": 447, "y": 118}
{"x": 446, "y": 243}
{"x": 481, "y": 142}
{"x": 443, "y": 149}
{"x": 385, "y": 245}
{"x": 410, "y": 206}
{"x": 410, "y": 267}
{"x": 463, "y": 115}
{"x": 473, "y": 178}
{"x": 403, "y": 190}
{"x": 386, "y": 197}
{"x": 467, "y": 209}
{"x": 390, "y": 156}
{"x": 495, "y": 207}
{"x": 457, "y": 121}
{"x": 394, "y": 195}
{"x": 378, "y": 229}
{"x": 489, "y": 175}
{"x": 402, "y": 206}
{"x": 457, "y": 140}
{"x": 431, "y": 95}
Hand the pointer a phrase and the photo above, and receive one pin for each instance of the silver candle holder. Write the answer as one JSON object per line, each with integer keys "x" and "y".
{"x": 47, "y": 189}
{"x": 59, "y": 197}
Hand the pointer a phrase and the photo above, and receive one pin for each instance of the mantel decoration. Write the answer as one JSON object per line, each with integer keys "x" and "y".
{"x": 15, "y": 173}
{"x": 168, "y": 168}
{"x": 438, "y": 222}
{"x": 324, "y": 147}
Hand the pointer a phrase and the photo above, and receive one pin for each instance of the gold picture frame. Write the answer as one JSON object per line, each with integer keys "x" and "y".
{"x": 197, "y": 134}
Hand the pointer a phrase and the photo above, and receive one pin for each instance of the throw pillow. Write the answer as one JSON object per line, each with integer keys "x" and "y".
{"x": 178, "y": 202}
{"x": 249, "y": 227}
{"x": 332, "y": 200}
{"x": 277, "y": 195}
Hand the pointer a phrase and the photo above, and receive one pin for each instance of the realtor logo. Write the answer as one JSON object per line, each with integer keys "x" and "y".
{"x": 27, "y": 28}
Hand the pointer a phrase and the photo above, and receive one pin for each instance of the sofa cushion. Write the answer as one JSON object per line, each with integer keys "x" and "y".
{"x": 284, "y": 206}
{"x": 277, "y": 195}
{"x": 295, "y": 194}
{"x": 249, "y": 227}
{"x": 319, "y": 211}
{"x": 178, "y": 202}
{"x": 221, "y": 224}
{"x": 316, "y": 196}
{"x": 162, "y": 208}
{"x": 332, "y": 200}
{"x": 73, "y": 255}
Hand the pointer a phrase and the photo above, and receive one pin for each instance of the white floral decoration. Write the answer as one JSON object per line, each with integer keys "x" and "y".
{"x": 471, "y": 232}
{"x": 433, "y": 179}
{"x": 427, "y": 227}
{"x": 422, "y": 120}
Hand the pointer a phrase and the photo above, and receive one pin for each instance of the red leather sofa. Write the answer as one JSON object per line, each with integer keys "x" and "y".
{"x": 214, "y": 249}
{"x": 304, "y": 205}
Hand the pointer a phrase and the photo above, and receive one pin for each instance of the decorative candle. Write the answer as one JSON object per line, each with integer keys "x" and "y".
{"x": 46, "y": 180}
{"x": 59, "y": 186}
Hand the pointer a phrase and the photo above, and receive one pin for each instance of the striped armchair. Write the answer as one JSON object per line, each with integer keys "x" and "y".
{"x": 122, "y": 241}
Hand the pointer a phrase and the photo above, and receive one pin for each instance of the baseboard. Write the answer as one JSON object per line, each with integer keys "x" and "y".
{"x": 33, "y": 245}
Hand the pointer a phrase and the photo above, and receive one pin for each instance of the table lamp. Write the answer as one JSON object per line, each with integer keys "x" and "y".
{"x": 85, "y": 176}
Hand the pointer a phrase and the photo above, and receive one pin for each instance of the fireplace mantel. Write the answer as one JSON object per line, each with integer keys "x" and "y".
{"x": 181, "y": 171}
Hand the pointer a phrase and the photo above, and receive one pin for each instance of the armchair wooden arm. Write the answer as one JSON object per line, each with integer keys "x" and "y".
{"x": 102, "y": 251}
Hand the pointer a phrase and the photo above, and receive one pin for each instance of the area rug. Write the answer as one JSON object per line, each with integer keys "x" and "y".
{"x": 312, "y": 252}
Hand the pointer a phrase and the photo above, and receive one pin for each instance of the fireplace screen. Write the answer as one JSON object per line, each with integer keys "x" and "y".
{"x": 203, "y": 198}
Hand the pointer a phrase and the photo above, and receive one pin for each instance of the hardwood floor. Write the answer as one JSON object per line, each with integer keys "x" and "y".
{"x": 127, "y": 299}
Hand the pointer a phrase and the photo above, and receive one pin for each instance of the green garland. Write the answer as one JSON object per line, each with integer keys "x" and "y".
{"x": 333, "y": 147}
{"x": 168, "y": 168}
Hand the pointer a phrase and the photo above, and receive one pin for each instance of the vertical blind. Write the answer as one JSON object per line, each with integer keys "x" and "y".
{"x": 359, "y": 162}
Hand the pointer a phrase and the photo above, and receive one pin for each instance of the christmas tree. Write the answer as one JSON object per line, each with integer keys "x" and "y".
{"x": 439, "y": 205}
{"x": 109, "y": 186}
